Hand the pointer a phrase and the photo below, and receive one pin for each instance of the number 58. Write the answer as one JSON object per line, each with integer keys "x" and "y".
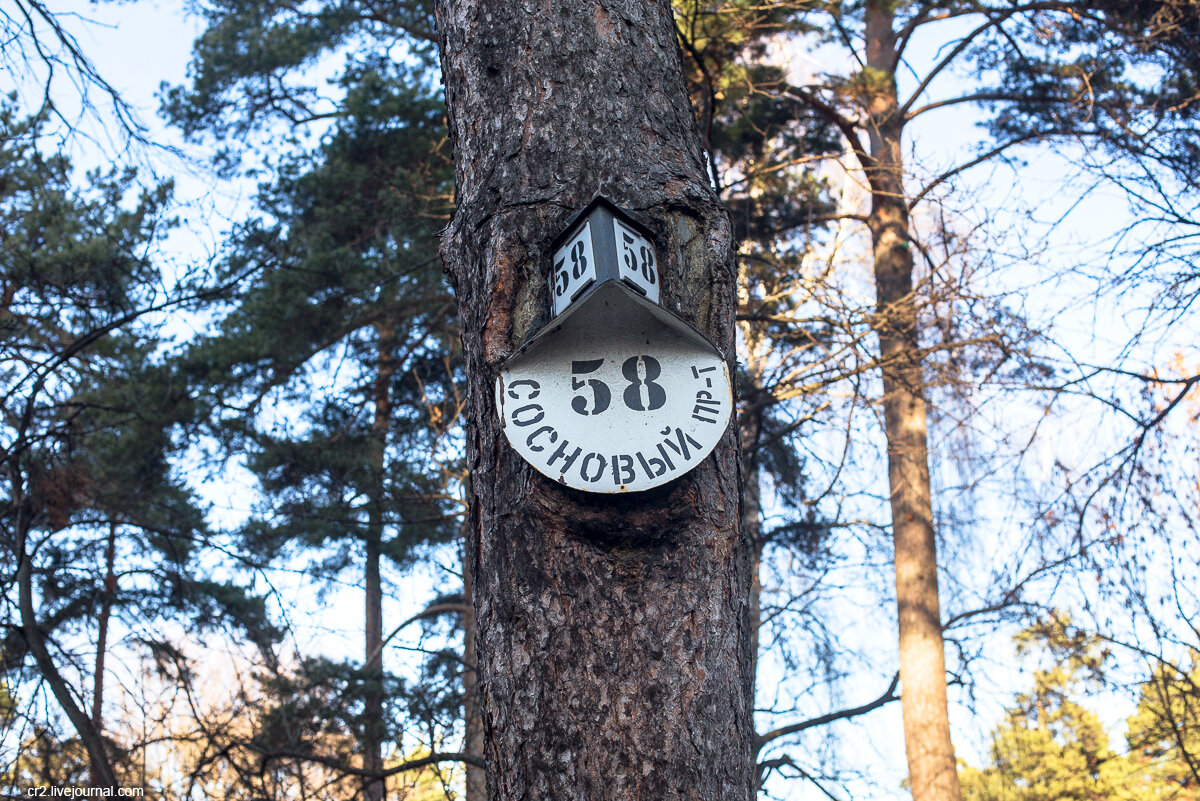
{"x": 643, "y": 394}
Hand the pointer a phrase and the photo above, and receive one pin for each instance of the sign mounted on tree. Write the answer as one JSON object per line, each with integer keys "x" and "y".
{"x": 616, "y": 394}
{"x": 601, "y": 243}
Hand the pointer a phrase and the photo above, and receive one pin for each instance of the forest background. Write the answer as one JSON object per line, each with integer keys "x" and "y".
{"x": 233, "y": 481}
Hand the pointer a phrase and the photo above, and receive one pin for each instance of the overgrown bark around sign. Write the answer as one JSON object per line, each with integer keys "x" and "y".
{"x": 614, "y": 649}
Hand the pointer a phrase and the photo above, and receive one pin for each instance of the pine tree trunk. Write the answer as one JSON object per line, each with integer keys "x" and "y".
{"x": 749, "y": 431}
{"x": 613, "y": 643}
{"x": 930, "y": 752}
{"x": 100, "y": 767}
{"x": 106, "y": 601}
{"x": 373, "y": 700}
{"x": 475, "y": 786}
{"x": 372, "y": 745}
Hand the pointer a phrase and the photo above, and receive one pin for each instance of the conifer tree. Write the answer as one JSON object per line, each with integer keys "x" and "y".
{"x": 765, "y": 151}
{"x": 613, "y": 633}
{"x": 1049, "y": 746}
{"x": 1164, "y": 735}
{"x": 1052, "y": 747}
{"x": 251, "y": 71}
{"x": 343, "y": 318}
{"x": 759, "y": 142}
{"x": 1040, "y": 72}
{"x": 97, "y": 528}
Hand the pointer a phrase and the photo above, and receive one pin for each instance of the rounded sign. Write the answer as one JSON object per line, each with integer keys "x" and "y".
{"x": 619, "y": 397}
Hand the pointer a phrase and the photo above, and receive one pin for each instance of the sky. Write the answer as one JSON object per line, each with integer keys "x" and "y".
{"x": 135, "y": 48}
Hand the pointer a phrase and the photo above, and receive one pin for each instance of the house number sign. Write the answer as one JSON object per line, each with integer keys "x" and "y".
{"x": 602, "y": 243}
{"x": 616, "y": 394}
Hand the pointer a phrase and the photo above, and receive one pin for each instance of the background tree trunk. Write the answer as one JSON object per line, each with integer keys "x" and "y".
{"x": 749, "y": 429}
{"x": 99, "y": 765}
{"x": 613, "y": 645}
{"x": 476, "y": 786}
{"x": 374, "y": 728}
{"x": 930, "y": 752}
{"x": 106, "y": 602}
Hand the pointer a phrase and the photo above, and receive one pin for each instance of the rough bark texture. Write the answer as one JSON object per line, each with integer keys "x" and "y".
{"x": 613, "y": 646}
{"x": 475, "y": 783}
{"x": 927, "y": 743}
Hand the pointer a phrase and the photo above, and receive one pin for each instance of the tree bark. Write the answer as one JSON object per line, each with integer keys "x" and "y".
{"x": 930, "y": 752}
{"x": 106, "y": 602}
{"x": 375, "y": 789}
{"x": 475, "y": 786}
{"x": 613, "y": 644}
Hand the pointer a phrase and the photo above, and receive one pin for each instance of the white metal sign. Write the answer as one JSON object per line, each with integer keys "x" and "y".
{"x": 574, "y": 268}
{"x": 617, "y": 395}
{"x": 636, "y": 259}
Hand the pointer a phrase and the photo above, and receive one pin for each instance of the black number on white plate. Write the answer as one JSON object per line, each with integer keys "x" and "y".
{"x": 638, "y": 257}
{"x": 601, "y": 396}
{"x": 648, "y": 263}
{"x": 560, "y": 277}
{"x": 578, "y": 260}
{"x": 630, "y": 254}
{"x": 643, "y": 394}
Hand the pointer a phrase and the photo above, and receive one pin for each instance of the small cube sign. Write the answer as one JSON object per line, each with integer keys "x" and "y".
{"x": 574, "y": 269}
{"x": 637, "y": 263}
{"x": 602, "y": 243}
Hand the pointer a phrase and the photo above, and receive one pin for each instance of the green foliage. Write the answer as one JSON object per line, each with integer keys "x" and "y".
{"x": 72, "y": 262}
{"x": 253, "y": 64}
{"x": 759, "y": 135}
{"x": 1124, "y": 76}
{"x": 1052, "y": 748}
{"x": 762, "y": 140}
{"x": 1049, "y": 748}
{"x": 333, "y": 367}
{"x": 90, "y": 414}
{"x": 344, "y": 317}
{"x": 1164, "y": 735}
{"x": 319, "y": 706}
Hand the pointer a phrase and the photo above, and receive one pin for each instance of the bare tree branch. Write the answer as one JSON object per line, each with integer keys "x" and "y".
{"x": 889, "y": 695}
